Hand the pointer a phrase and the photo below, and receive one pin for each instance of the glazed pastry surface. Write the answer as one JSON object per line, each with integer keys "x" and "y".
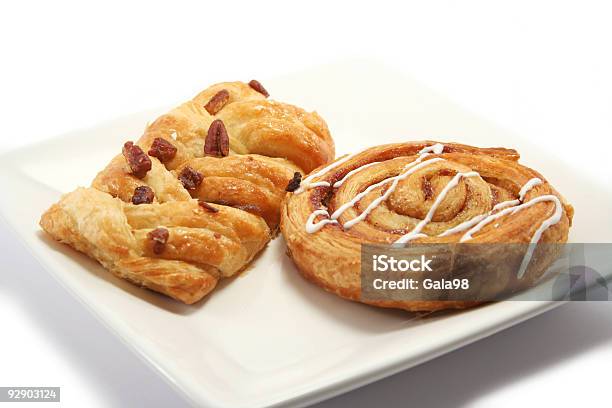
{"x": 268, "y": 142}
{"x": 422, "y": 193}
{"x": 198, "y": 195}
{"x": 202, "y": 246}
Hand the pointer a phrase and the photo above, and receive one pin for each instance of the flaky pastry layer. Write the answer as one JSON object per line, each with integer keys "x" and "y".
{"x": 198, "y": 195}
{"x": 331, "y": 255}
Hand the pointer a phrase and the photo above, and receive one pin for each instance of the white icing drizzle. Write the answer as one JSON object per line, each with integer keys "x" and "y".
{"x": 486, "y": 220}
{"x": 350, "y": 173}
{"x": 499, "y": 206}
{"x": 463, "y": 226}
{"x": 473, "y": 225}
{"x": 504, "y": 204}
{"x": 307, "y": 184}
{"x": 412, "y": 167}
{"x": 311, "y": 227}
{"x": 509, "y": 206}
{"x": 528, "y": 186}
{"x": 416, "y": 231}
{"x": 549, "y": 222}
{"x": 506, "y": 207}
{"x": 317, "y": 184}
{"x": 436, "y": 148}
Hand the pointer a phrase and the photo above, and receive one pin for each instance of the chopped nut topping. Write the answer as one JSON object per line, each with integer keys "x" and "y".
{"x": 294, "y": 184}
{"x": 327, "y": 197}
{"x": 427, "y": 189}
{"x": 257, "y": 86}
{"x": 217, "y": 140}
{"x": 252, "y": 208}
{"x": 447, "y": 172}
{"x": 217, "y": 102}
{"x": 138, "y": 161}
{"x": 143, "y": 195}
{"x": 159, "y": 237}
{"x": 162, "y": 149}
{"x": 207, "y": 206}
{"x": 190, "y": 178}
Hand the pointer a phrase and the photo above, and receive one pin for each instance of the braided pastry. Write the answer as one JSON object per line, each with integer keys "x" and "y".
{"x": 148, "y": 217}
{"x": 420, "y": 192}
{"x": 252, "y": 147}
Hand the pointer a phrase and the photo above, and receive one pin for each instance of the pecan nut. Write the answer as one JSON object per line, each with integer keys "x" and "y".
{"x": 162, "y": 149}
{"x": 143, "y": 195}
{"x": 217, "y": 140}
{"x": 295, "y": 182}
{"x": 207, "y": 206}
{"x": 217, "y": 102}
{"x": 138, "y": 161}
{"x": 257, "y": 86}
{"x": 158, "y": 237}
{"x": 190, "y": 178}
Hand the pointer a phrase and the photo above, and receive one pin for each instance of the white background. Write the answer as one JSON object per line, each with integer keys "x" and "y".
{"x": 540, "y": 69}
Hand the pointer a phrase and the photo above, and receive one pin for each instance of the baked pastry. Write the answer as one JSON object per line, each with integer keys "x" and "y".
{"x": 179, "y": 248}
{"x": 230, "y": 145}
{"x": 420, "y": 193}
{"x": 198, "y": 195}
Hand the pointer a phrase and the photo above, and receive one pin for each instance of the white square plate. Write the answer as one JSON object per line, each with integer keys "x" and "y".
{"x": 269, "y": 337}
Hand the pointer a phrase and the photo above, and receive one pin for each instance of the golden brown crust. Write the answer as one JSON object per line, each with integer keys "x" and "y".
{"x": 268, "y": 142}
{"x": 255, "y": 126}
{"x": 253, "y": 183}
{"x": 202, "y": 246}
{"x": 331, "y": 257}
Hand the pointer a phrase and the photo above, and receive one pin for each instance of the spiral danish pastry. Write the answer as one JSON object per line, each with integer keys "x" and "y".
{"x": 421, "y": 193}
{"x": 198, "y": 195}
